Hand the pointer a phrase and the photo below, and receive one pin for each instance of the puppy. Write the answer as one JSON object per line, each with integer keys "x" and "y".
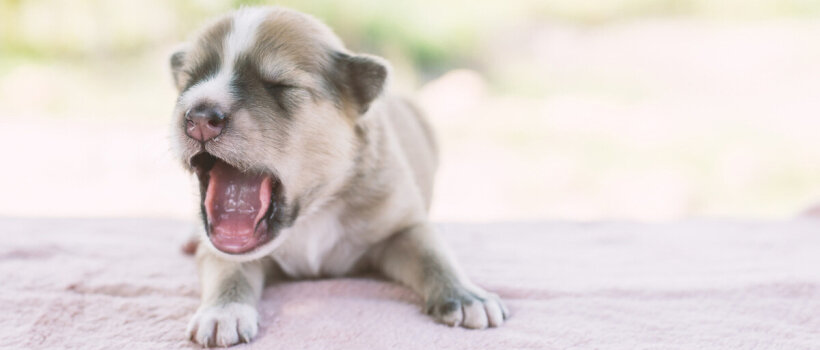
{"x": 306, "y": 168}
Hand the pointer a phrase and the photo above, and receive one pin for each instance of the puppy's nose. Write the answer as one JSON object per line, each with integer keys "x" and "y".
{"x": 204, "y": 122}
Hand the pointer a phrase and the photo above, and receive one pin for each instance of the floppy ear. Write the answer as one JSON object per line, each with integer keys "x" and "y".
{"x": 362, "y": 78}
{"x": 177, "y": 62}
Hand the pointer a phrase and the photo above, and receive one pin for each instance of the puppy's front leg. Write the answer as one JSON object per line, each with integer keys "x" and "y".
{"x": 230, "y": 291}
{"x": 417, "y": 258}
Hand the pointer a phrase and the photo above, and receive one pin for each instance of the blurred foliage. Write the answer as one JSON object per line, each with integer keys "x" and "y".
{"x": 574, "y": 110}
{"x": 430, "y": 35}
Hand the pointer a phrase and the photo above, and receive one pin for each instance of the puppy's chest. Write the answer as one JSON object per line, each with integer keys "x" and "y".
{"x": 318, "y": 246}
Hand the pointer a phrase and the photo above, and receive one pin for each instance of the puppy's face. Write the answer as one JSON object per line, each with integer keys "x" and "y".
{"x": 265, "y": 118}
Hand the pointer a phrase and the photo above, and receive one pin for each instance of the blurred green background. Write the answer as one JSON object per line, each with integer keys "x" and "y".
{"x": 571, "y": 110}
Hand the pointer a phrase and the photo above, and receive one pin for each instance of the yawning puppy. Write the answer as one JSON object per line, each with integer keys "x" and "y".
{"x": 306, "y": 168}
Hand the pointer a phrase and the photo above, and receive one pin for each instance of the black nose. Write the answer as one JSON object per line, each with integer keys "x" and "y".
{"x": 204, "y": 122}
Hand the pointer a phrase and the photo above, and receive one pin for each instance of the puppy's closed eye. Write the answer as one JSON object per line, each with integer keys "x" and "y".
{"x": 285, "y": 95}
{"x": 276, "y": 87}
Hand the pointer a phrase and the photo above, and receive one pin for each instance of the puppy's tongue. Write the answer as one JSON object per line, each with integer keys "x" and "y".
{"x": 235, "y": 204}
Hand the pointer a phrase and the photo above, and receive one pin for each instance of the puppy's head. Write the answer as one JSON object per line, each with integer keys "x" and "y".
{"x": 269, "y": 99}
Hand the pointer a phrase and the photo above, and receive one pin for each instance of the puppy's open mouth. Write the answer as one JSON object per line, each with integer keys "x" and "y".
{"x": 239, "y": 208}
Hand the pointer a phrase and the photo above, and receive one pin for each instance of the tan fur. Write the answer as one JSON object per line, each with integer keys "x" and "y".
{"x": 362, "y": 181}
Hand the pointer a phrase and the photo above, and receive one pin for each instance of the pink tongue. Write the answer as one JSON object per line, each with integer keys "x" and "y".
{"x": 235, "y": 203}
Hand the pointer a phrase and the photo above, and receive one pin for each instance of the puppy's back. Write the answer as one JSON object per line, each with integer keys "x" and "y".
{"x": 416, "y": 140}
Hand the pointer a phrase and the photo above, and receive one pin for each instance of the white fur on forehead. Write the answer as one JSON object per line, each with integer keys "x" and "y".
{"x": 242, "y": 36}
{"x": 253, "y": 26}
{"x": 247, "y": 21}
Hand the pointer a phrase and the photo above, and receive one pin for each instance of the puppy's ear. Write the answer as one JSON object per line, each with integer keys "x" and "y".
{"x": 361, "y": 78}
{"x": 177, "y": 61}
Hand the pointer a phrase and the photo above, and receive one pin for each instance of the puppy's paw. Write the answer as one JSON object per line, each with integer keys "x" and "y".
{"x": 475, "y": 308}
{"x": 224, "y": 325}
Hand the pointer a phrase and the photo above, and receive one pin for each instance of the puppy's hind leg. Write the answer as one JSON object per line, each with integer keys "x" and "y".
{"x": 417, "y": 258}
{"x": 230, "y": 292}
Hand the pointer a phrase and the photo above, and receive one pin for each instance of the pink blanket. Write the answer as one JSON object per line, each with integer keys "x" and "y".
{"x": 123, "y": 284}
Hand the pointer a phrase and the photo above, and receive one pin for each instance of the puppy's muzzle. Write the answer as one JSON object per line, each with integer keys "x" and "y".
{"x": 204, "y": 122}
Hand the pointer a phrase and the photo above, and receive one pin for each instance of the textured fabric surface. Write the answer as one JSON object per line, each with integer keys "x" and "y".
{"x": 124, "y": 284}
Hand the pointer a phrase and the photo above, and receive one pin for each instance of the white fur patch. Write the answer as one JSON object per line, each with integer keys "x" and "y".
{"x": 317, "y": 246}
{"x": 241, "y": 38}
{"x": 246, "y": 21}
{"x": 215, "y": 90}
{"x": 302, "y": 253}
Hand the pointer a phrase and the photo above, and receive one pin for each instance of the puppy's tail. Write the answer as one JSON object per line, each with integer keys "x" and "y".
{"x": 189, "y": 247}
{"x": 192, "y": 243}
{"x": 811, "y": 212}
